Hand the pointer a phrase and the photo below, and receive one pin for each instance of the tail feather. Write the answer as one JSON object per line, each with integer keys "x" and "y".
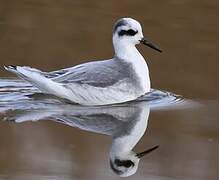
{"x": 19, "y": 71}
{"x": 37, "y": 78}
{"x": 10, "y": 68}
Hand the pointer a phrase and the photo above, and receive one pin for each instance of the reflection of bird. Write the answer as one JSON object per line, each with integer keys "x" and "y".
{"x": 123, "y": 160}
{"x": 123, "y": 78}
{"x": 126, "y": 123}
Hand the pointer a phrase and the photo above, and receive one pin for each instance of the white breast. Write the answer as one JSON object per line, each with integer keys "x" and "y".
{"x": 140, "y": 67}
{"x": 142, "y": 71}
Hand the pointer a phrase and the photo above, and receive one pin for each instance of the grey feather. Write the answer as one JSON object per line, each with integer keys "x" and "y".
{"x": 98, "y": 74}
{"x": 119, "y": 23}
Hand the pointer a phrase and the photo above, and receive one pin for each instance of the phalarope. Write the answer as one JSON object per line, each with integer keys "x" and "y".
{"x": 123, "y": 78}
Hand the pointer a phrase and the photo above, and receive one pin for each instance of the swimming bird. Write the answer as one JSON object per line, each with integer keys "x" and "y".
{"x": 123, "y": 78}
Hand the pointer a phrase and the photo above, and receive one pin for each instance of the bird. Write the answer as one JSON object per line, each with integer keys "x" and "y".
{"x": 123, "y": 78}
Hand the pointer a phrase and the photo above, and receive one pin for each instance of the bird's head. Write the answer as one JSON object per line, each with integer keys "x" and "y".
{"x": 128, "y": 31}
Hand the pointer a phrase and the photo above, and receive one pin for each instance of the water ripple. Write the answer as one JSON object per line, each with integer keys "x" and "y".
{"x": 19, "y": 95}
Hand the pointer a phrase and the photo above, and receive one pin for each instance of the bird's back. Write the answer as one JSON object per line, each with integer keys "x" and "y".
{"x": 97, "y": 73}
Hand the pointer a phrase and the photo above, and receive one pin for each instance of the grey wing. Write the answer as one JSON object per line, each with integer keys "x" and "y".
{"x": 103, "y": 124}
{"x": 97, "y": 73}
{"x": 109, "y": 120}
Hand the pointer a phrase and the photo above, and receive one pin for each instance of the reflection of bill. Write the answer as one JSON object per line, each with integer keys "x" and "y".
{"x": 126, "y": 123}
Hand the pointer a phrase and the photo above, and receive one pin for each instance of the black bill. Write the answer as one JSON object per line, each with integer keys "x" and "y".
{"x": 150, "y": 44}
{"x": 141, "y": 154}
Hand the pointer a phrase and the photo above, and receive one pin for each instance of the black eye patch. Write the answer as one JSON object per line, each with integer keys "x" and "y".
{"x": 129, "y": 32}
{"x": 125, "y": 163}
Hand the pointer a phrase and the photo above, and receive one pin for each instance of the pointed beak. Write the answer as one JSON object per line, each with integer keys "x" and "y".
{"x": 141, "y": 154}
{"x": 150, "y": 44}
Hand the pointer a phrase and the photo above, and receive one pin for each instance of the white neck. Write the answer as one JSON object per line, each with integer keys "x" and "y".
{"x": 129, "y": 53}
{"x": 126, "y": 51}
{"x": 124, "y": 143}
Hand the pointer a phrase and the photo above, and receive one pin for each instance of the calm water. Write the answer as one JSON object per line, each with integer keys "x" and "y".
{"x": 49, "y": 35}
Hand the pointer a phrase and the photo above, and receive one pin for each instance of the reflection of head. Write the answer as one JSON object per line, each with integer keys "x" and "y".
{"x": 127, "y": 164}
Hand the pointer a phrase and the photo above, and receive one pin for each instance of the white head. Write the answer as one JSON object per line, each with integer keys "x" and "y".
{"x": 126, "y": 164}
{"x": 128, "y": 32}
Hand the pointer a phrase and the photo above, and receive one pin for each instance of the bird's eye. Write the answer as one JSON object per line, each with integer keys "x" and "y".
{"x": 129, "y": 32}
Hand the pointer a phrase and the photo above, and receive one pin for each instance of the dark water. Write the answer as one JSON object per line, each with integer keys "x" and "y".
{"x": 51, "y": 35}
